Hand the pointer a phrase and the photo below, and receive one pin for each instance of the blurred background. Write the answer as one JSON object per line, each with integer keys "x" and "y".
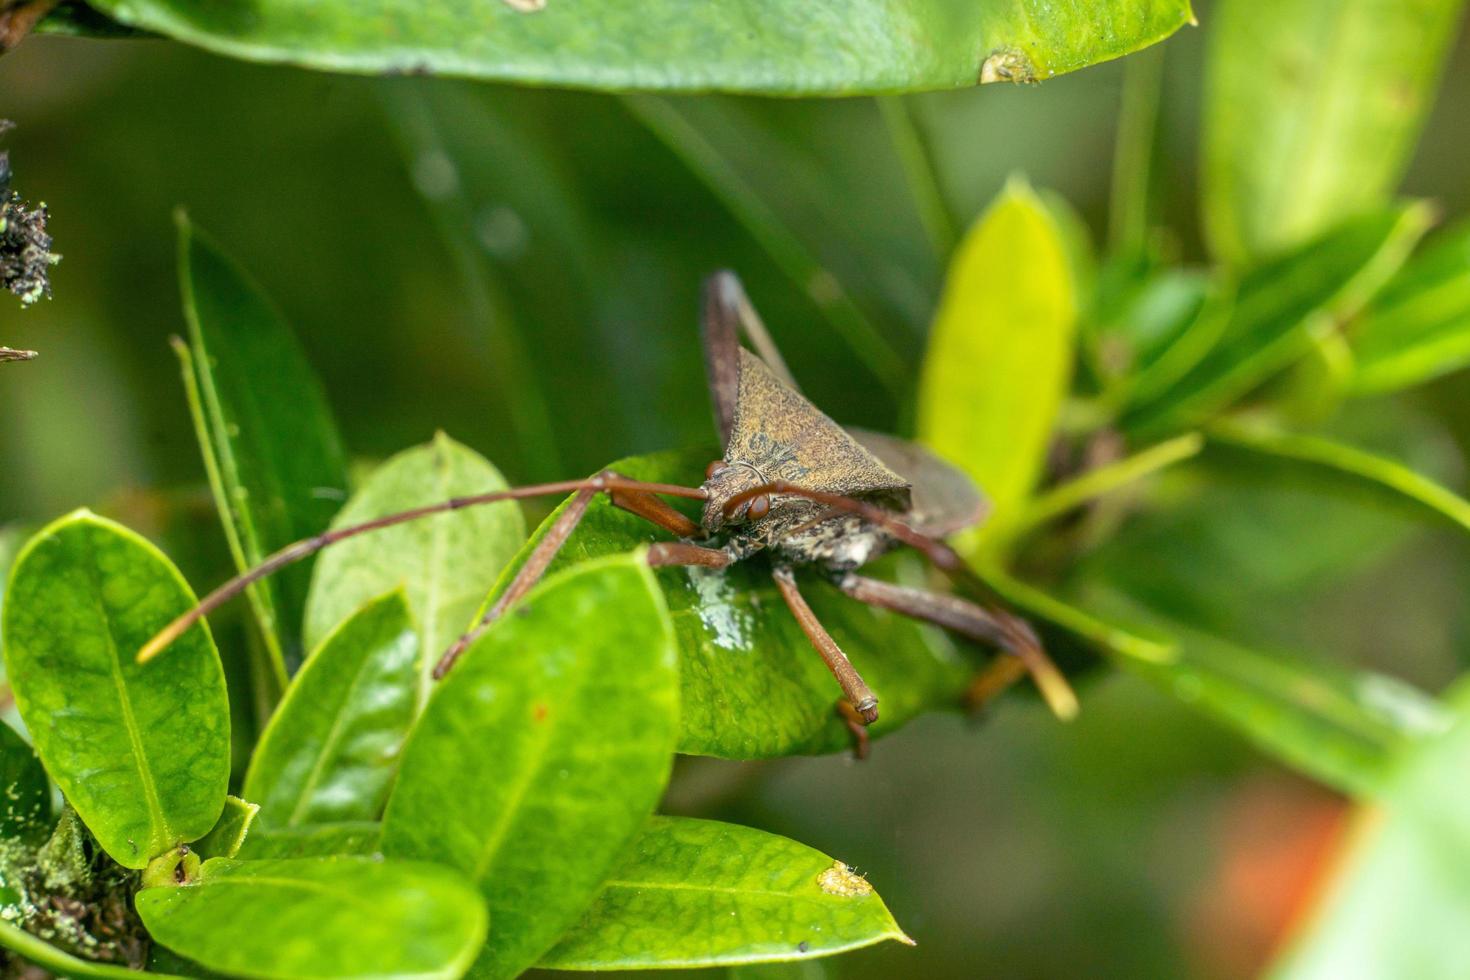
{"x": 520, "y": 269}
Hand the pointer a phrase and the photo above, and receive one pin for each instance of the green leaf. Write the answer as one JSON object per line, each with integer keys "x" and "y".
{"x": 230, "y": 831}
{"x": 1418, "y": 328}
{"x": 320, "y": 917}
{"x": 696, "y": 893}
{"x": 1001, "y": 348}
{"x": 576, "y": 693}
{"x": 1341, "y": 727}
{"x": 751, "y": 686}
{"x": 444, "y": 564}
{"x": 1353, "y": 463}
{"x": 1312, "y": 108}
{"x": 141, "y": 752}
{"x": 1396, "y": 905}
{"x": 1278, "y": 309}
{"x": 271, "y": 449}
{"x": 331, "y": 749}
{"x": 25, "y": 807}
{"x": 60, "y": 963}
{"x": 314, "y": 840}
{"x": 766, "y": 46}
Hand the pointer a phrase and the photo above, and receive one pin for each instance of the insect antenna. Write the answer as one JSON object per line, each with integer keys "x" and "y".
{"x": 307, "y": 547}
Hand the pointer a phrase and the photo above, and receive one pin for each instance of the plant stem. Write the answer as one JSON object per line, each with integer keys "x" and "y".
{"x": 787, "y": 250}
{"x": 1101, "y": 481}
{"x": 1133, "y": 151}
{"x": 1039, "y": 605}
{"x": 917, "y": 156}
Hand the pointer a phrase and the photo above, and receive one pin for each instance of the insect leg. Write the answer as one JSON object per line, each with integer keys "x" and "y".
{"x": 854, "y": 688}
{"x": 11, "y": 354}
{"x": 665, "y": 553}
{"x": 644, "y": 505}
{"x": 992, "y": 626}
{"x": 307, "y": 547}
{"x": 1020, "y": 639}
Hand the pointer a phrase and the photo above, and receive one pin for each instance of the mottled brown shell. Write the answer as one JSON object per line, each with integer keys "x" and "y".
{"x": 782, "y": 436}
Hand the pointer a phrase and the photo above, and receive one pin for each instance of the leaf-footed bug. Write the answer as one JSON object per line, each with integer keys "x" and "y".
{"x": 792, "y": 484}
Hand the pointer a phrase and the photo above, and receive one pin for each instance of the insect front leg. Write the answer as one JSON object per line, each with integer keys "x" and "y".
{"x": 639, "y": 503}
{"x": 622, "y": 489}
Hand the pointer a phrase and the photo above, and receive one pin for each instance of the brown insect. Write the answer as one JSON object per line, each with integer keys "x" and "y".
{"x": 792, "y": 484}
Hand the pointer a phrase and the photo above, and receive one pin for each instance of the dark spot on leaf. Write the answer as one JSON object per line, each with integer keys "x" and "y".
{"x": 539, "y": 712}
{"x": 803, "y": 946}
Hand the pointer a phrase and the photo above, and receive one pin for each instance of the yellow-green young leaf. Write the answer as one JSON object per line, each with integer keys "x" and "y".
{"x": 230, "y": 831}
{"x": 141, "y": 752}
{"x": 777, "y": 46}
{"x": 271, "y": 450}
{"x": 694, "y": 893}
{"x": 1311, "y": 110}
{"x": 320, "y": 918}
{"x": 543, "y": 752}
{"x": 331, "y": 749}
{"x": 1000, "y": 351}
{"x": 751, "y": 686}
{"x": 445, "y": 564}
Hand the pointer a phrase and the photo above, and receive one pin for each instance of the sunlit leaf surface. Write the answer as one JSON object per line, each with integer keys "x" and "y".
{"x": 141, "y": 752}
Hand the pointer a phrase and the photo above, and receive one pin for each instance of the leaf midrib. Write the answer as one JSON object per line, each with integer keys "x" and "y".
{"x": 156, "y": 816}
{"x": 333, "y": 737}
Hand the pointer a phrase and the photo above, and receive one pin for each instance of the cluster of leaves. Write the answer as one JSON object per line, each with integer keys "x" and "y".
{"x": 1158, "y": 441}
{"x": 377, "y": 829}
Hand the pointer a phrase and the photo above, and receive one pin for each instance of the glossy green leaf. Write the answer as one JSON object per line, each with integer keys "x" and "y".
{"x": 60, "y": 963}
{"x": 1418, "y": 328}
{"x": 141, "y": 752}
{"x": 320, "y": 917}
{"x": 1396, "y": 904}
{"x": 331, "y": 749}
{"x": 1312, "y": 108}
{"x": 1277, "y": 310}
{"x": 695, "y": 893}
{"x": 750, "y": 684}
{"x": 271, "y": 449}
{"x": 25, "y": 806}
{"x": 444, "y": 564}
{"x": 820, "y": 47}
{"x": 230, "y": 831}
{"x": 1001, "y": 348}
{"x": 314, "y": 840}
{"x": 560, "y": 724}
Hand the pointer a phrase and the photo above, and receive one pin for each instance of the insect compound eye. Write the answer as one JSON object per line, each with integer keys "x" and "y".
{"x": 759, "y": 507}
{"x": 715, "y": 469}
